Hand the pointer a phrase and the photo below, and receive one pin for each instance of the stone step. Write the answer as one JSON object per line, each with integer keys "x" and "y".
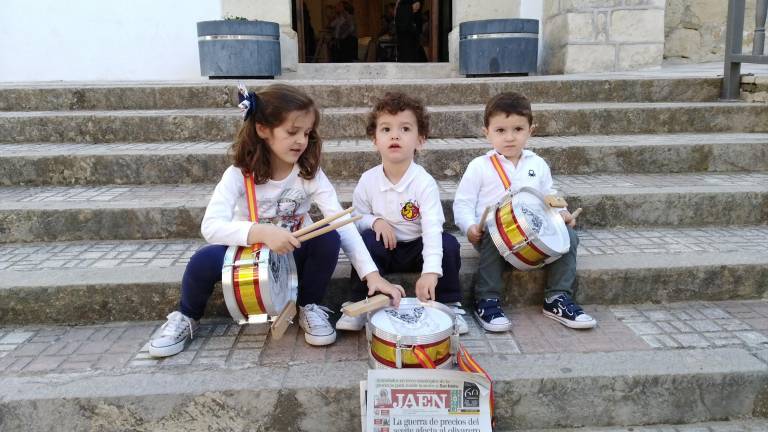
{"x": 59, "y": 213}
{"x": 354, "y": 92}
{"x": 199, "y": 162}
{"x": 447, "y": 121}
{"x": 745, "y": 425}
{"x": 93, "y": 281}
{"x": 545, "y": 376}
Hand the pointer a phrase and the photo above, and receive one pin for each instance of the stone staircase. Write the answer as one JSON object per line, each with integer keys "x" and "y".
{"x": 102, "y": 189}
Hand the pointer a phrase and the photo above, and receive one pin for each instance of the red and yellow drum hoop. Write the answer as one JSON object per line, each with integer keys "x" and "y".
{"x": 385, "y": 353}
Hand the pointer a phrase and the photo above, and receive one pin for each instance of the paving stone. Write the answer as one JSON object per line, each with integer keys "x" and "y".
{"x": 751, "y": 338}
{"x": 690, "y": 340}
{"x": 45, "y": 363}
{"x": 16, "y": 337}
{"x": 703, "y": 325}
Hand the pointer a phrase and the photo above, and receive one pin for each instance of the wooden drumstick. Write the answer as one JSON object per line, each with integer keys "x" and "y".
{"x": 280, "y": 325}
{"x": 576, "y": 213}
{"x": 322, "y": 222}
{"x": 330, "y": 227}
{"x": 482, "y": 218}
{"x": 371, "y": 303}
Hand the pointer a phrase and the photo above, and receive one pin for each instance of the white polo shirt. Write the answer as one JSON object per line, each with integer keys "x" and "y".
{"x": 481, "y": 186}
{"x": 412, "y": 207}
{"x": 284, "y": 203}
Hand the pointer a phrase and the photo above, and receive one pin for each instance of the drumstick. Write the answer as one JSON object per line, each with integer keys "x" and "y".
{"x": 322, "y": 222}
{"x": 576, "y": 213}
{"x": 330, "y": 227}
{"x": 482, "y": 218}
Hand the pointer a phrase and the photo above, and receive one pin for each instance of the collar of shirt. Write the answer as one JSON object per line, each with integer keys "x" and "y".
{"x": 526, "y": 154}
{"x": 385, "y": 184}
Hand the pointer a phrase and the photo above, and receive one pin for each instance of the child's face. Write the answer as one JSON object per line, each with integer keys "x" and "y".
{"x": 288, "y": 140}
{"x": 397, "y": 137}
{"x": 508, "y": 134}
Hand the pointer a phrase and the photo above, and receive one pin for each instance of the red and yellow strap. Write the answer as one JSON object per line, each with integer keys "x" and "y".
{"x": 421, "y": 355}
{"x": 500, "y": 171}
{"x": 468, "y": 364}
{"x": 253, "y": 205}
{"x": 246, "y": 278}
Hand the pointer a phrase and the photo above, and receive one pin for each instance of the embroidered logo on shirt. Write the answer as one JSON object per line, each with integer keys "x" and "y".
{"x": 410, "y": 210}
{"x": 531, "y": 173}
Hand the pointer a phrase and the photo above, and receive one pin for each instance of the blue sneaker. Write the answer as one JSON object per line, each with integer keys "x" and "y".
{"x": 565, "y": 311}
{"x": 490, "y": 315}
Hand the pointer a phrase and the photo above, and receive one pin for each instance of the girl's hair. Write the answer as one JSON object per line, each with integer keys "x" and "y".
{"x": 251, "y": 153}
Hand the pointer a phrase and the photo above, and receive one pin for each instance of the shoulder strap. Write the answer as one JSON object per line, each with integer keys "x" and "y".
{"x": 253, "y": 205}
{"x": 500, "y": 171}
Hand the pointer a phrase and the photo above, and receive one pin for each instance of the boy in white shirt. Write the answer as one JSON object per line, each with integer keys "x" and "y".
{"x": 508, "y": 124}
{"x": 402, "y": 217}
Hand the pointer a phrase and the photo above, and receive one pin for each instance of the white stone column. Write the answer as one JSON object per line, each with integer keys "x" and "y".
{"x": 472, "y": 10}
{"x": 278, "y": 11}
{"x": 602, "y": 35}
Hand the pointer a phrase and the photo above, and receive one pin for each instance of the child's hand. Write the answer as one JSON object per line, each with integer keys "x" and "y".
{"x": 474, "y": 234}
{"x": 568, "y": 218}
{"x": 385, "y": 233}
{"x": 378, "y": 283}
{"x": 425, "y": 286}
{"x": 277, "y": 239}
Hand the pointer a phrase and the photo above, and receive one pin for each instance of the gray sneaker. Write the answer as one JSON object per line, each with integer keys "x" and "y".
{"x": 173, "y": 336}
{"x": 318, "y": 331}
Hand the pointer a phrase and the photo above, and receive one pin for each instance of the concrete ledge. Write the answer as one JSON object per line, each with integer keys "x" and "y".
{"x": 637, "y": 387}
{"x": 158, "y": 163}
{"x": 448, "y": 121}
{"x": 121, "y": 293}
{"x": 222, "y": 94}
{"x": 175, "y": 211}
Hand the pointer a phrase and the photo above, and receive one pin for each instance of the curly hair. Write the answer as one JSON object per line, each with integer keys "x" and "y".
{"x": 251, "y": 153}
{"x": 393, "y": 103}
{"x": 508, "y": 103}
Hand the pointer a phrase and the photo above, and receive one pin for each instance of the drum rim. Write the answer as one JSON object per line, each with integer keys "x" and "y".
{"x": 538, "y": 242}
{"x": 375, "y": 364}
{"x": 414, "y": 340}
{"x": 227, "y": 286}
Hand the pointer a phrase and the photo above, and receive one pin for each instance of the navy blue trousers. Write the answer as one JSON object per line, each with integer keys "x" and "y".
{"x": 406, "y": 257}
{"x": 315, "y": 262}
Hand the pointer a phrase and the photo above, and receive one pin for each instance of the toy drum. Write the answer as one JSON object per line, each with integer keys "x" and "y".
{"x": 257, "y": 286}
{"x": 526, "y": 231}
{"x": 415, "y": 335}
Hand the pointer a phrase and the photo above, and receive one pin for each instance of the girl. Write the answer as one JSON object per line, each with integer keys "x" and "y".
{"x": 279, "y": 145}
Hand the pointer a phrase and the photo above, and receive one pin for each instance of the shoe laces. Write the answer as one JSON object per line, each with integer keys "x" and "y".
{"x": 567, "y": 303}
{"x": 490, "y": 309}
{"x": 176, "y": 323}
{"x": 316, "y": 315}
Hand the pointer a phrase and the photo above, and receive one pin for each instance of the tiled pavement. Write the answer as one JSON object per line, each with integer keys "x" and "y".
{"x": 169, "y": 253}
{"x": 221, "y": 344}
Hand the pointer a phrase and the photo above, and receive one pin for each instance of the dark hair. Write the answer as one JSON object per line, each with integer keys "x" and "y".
{"x": 396, "y": 102}
{"x": 251, "y": 153}
{"x": 508, "y": 103}
{"x": 348, "y": 7}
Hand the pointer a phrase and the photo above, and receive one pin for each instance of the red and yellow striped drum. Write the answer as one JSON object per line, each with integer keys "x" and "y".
{"x": 257, "y": 286}
{"x": 526, "y": 231}
{"x": 415, "y": 335}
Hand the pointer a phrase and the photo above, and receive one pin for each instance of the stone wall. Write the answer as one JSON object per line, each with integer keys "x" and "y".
{"x": 694, "y": 30}
{"x": 602, "y": 35}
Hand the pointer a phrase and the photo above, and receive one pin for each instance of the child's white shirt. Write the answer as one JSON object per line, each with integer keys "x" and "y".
{"x": 480, "y": 186}
{"x": 284, "y": 203}
{"x": 412, "y": 207}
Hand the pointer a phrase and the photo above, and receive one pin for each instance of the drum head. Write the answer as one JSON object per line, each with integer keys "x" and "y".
{"x": 541, "y": 219}
{"x": 283, "y": 282}
{"x": 412, "y": 318}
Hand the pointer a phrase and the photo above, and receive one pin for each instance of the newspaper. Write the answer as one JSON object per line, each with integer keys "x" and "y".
{"x": 423, "y": 400}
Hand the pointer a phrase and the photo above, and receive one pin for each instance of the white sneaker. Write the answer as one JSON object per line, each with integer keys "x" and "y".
{"x": 174, "y": 335}
{"x": 347, "y": 322}
{"x": 313, "y": 319}
{"x": 461, "y": 323}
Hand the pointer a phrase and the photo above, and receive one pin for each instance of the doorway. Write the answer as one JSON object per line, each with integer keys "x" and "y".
{"x": 351, "y": 31}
